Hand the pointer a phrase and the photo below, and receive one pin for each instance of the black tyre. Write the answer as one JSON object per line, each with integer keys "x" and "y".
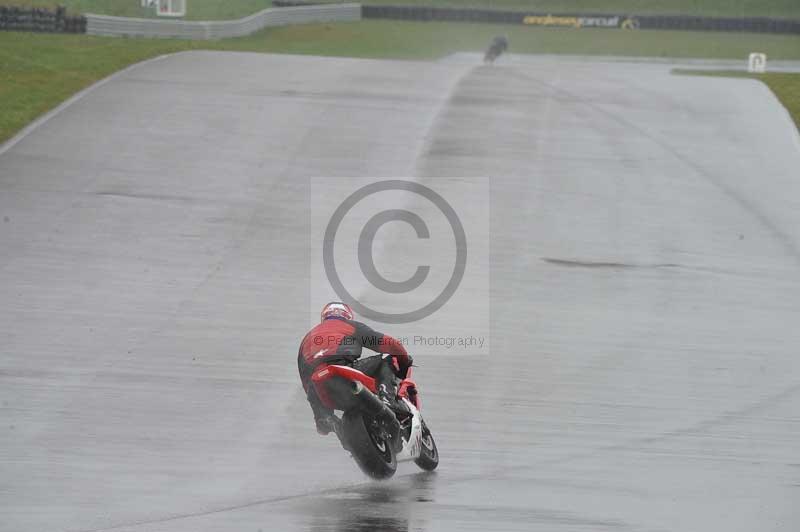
{"x": 429, "y": 454}
{"x": 372, "y": 452}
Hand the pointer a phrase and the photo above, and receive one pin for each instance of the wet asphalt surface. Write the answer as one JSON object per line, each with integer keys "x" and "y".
{"x": 637, "y": 281}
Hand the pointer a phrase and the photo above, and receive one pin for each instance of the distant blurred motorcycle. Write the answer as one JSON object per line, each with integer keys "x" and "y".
{"x": 368, "y": 428}
{"x": 497, "y": 47}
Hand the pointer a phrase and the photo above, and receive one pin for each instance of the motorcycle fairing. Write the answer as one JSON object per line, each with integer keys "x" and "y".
{"x": 412, "y": 446}
{"x": 332, "y": 383}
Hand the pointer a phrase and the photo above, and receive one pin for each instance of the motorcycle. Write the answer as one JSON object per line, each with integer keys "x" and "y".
{"x": 372, "y": 433}
{"x": 496, "y": 48}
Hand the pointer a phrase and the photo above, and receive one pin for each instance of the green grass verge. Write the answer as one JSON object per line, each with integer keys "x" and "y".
{"x": 228, "y": 9}
{"x": 786, "y": 86}
{"x": 38, "y": 71}
{"x": 427, "y": 40}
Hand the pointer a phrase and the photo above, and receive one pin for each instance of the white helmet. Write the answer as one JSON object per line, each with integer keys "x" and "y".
{"x": 336, "y": 309}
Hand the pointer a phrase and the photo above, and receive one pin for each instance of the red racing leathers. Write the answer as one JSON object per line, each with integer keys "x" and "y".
{"x": 340, "y": 341}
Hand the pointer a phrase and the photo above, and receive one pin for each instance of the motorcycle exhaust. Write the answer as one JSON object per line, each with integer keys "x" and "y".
{"x": 370, "y": 402}
{"x": 373, "y": 406}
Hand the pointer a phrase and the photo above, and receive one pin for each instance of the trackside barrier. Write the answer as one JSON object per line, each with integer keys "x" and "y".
{"x": 571, "y": 20}
{"x": 182, "y": 29}
{"x": 644, "y": 22}
{"x": 37, "y": 19}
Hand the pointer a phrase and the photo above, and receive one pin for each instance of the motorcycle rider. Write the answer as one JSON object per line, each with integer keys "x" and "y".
{"x": 498, "y": 45}
{"x": 339, "y": 339}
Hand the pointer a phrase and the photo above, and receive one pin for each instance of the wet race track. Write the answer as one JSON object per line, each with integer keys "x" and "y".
{"x": 633, "y": 268}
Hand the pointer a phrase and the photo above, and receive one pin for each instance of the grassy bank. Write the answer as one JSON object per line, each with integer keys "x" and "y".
{"x": 428, "y": 40}
{"x": 38, "y": 71}
{"x": 786, "y": 86}
{"x": 227, "y": 9}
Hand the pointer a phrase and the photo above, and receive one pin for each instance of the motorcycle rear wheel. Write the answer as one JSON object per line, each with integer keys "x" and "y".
{"x": 372, "y": 453}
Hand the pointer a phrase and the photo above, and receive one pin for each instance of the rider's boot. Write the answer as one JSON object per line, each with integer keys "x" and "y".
{"x": 388, "y": 394}
{"x": 323, "y": 416}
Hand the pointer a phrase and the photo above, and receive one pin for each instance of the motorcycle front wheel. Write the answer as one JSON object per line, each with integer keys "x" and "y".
{"x": 429, "y": 454}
